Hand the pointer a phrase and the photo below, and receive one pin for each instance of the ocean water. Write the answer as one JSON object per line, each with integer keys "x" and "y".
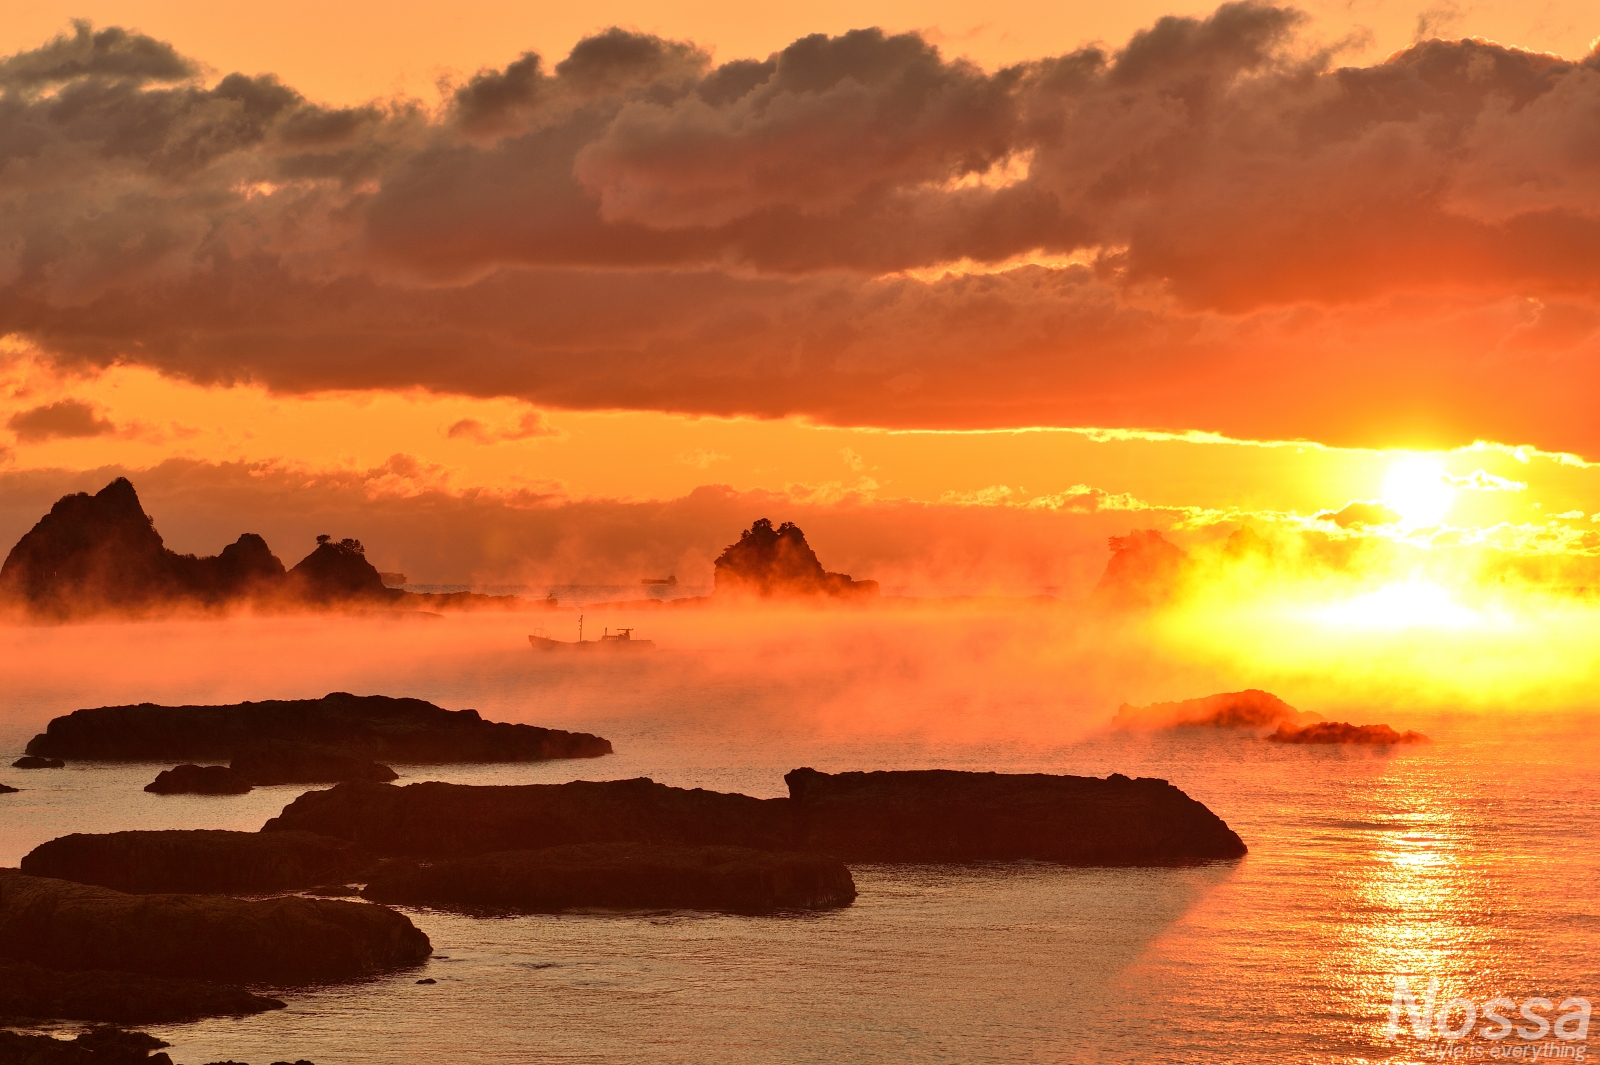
{"x": 1474, "y": 859}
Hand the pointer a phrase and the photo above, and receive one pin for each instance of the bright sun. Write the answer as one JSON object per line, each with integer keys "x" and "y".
{"x": 1419, "y": 490}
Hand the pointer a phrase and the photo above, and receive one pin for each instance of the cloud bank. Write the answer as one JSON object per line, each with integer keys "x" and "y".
{"x": 1234, "y": 233}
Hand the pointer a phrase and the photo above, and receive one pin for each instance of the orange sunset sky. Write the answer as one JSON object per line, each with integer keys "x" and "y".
{"x": 537, "y": 294}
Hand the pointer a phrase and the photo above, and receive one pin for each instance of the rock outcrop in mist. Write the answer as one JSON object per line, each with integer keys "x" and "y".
{"x": 101, "y": 553}
{"x": 1144, "y": 570}
{"x": 1251, "y": 708}
{"x": 769, "y": 563}
{"x": 1327, "y": 732}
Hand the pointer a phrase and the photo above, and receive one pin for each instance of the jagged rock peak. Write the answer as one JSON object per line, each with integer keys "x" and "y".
{"x": 768, "y": 562}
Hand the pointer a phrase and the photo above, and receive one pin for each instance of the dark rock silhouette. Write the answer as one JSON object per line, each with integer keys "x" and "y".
{"x": 101, "y": 553}
{"x": 199, "y": 780}
{"x": 435, "y": 820}
{"x": 92, "y": 550}
{"x": 298, "y": 763}
{"x": 29, "y": 761}
{"x": 768, "y": 562}
{"x": 198, "y": 861}
{"x": 7, "y": 791}
{"x": 98, "y": 1046}
{"x": 1344, "y": 732}
{"x": 282, "y": 941}
{"x": 367, "y": 727}
{"x": 620, "y": 876}
{"x": 32, "y": 991}
{"x": 934, "y": 816}
{"x": 939, "y": 815}
{"x": 339, "y": 570}
{"x": 1251, "y": 708}
{"x": 1144, "y": 570}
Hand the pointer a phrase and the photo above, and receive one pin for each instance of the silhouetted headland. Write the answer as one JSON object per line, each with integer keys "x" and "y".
{"x": 366, "y": 727}
{"x": 199, "y": 861}
{"x": 1251, "y": 708}
{"x": 190, "y": 779}
{"x": 1344, "y": 732}
{"x": 101, "y": 553}
{"x": 931, "y": 816}
{"x": 619, "y": 876}
{"x": 286, "y": 941}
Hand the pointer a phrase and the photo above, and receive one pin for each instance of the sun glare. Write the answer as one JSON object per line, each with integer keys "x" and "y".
{"x": 1419, "y": 490}
{"x": 1415, "y": 603}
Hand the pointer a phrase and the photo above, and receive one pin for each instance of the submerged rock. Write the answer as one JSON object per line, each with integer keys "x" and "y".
{"x": 1251, "y": 708}
{"x": 626, "y": 876}
{"x": 201, "y": 861}
{"x": 98, "y": 1046}
{"x": 298, "y": 763}
{"x": 38, "y": 993}
{"x": 940, "y": 815}
{"x": 281, "y": 941}
{"x": 29, "y": 761}
{"x": 1344, "y": 732}
{"x": 199, "y": 780}
{"x": 434, "y": 820}
{"x": 368, "y": 727}
{"x": 934, "y": 816}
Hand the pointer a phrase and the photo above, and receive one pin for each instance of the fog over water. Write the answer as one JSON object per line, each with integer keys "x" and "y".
{"x": 1473, "y": 858}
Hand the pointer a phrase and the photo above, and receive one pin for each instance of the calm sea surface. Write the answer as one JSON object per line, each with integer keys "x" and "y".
{"x": 1475, "y": 859}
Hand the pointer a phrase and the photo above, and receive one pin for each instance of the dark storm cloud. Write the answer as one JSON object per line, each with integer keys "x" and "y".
{"x": 1267, "y": 243}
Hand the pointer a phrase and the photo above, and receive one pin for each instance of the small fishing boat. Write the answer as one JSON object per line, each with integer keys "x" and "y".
{"x": 621, "y": 640}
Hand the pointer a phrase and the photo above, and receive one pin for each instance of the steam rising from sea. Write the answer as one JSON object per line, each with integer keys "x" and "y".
{"x": 1475, "y": 858}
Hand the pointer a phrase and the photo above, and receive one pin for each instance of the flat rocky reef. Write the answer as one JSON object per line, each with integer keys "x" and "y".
{"x": 199, "y": 861}
{"x": 627, "y": 876}
{"x": 370, "y": 727}
{"x": 63, "y": 926}
{"x": 36, "y": 992}
{"x": 919, "y": 816}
